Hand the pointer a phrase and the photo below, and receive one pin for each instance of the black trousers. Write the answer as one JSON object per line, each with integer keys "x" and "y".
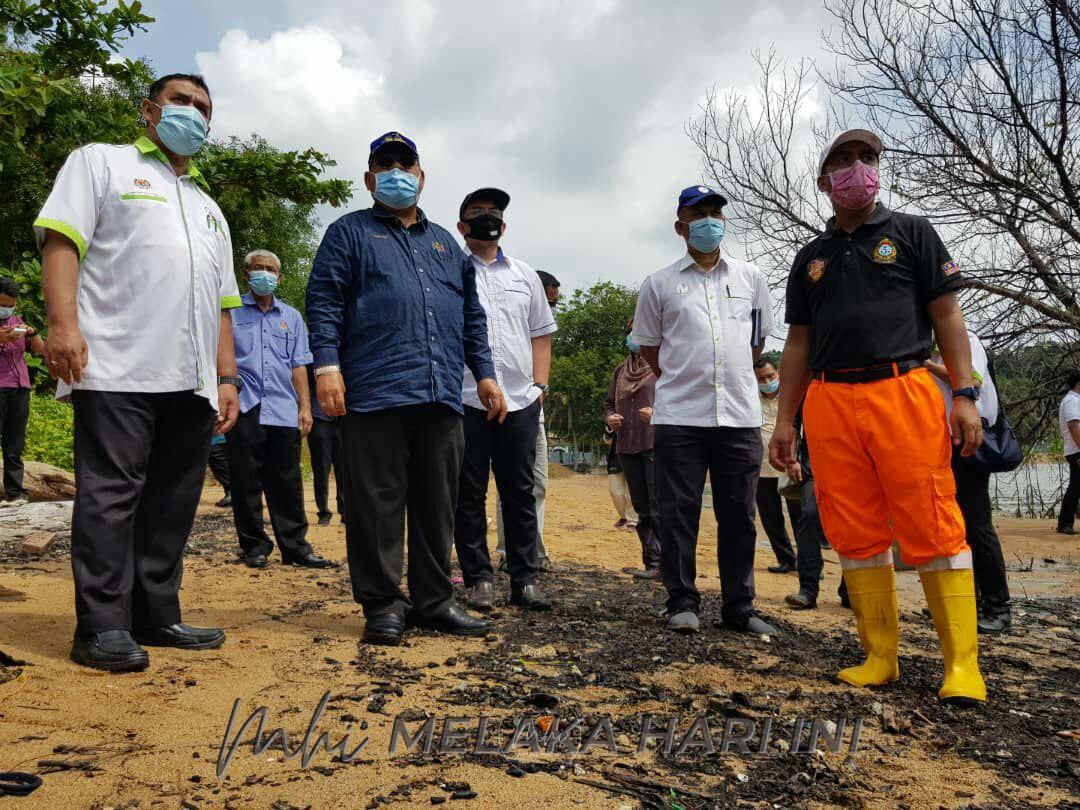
{"x": 267, "y": 459}
{"x": 732, "y": 459}
{"x": 808, "y": 537}
{"x": 640, "y": 472}
{"x": 771, "y": 510}
{"x": 324, "y": 442}
{"x": 1069, "y": 502}
{"x": 140, "y": 461}
{"x": 509, "y": 451}
{"x": 14, "y": 414}
{"x": 219, "y": 466}
{"x": 973, "y": 497}
{"x": 401, "y": 466}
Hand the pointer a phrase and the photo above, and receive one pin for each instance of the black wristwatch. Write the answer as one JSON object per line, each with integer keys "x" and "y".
{"x": 971, "y": 392}
{"x": 543, "y": 388}
{"x": 235, "y": 381}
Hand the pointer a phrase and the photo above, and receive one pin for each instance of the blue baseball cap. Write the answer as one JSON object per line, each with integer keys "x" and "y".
{"x": 695, "y": 194}
{"x": 395, "y": 138}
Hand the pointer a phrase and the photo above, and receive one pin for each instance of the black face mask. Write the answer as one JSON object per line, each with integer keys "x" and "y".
{"x": 485, "y": 228}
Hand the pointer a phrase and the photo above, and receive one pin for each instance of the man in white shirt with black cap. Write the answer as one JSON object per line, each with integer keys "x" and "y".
{"x": 701, "y": 323}
{"x": 137, "y": 270}
{"x": 520, "y": 324}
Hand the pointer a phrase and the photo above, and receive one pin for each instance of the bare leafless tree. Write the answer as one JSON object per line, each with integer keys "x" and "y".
{"x": 978, "y": 102}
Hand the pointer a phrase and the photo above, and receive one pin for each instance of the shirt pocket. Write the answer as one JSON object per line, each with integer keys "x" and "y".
{"x": 244, "y": 330}
{"x": 739, "y": 302}
{"x": 281, "y": 343}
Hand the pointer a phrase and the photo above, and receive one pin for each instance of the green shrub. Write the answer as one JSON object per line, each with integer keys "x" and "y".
{"x": 49, "y": 436}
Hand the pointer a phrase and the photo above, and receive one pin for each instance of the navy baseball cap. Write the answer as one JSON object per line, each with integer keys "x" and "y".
{"x": 394, "y": 138}
{"x": 695, "y": 194}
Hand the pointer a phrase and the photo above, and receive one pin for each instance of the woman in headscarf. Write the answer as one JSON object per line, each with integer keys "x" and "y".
{"x": 628, "y": 413}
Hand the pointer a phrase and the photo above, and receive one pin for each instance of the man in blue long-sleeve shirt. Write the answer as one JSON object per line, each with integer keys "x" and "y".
{"x": 394, "y": 317}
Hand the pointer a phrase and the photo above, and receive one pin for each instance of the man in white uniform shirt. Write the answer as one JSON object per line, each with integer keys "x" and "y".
{"x": 701, "y": 323}
{"x": 520, "y": 324}
{"x": 137, "y": 270}
{"x": 1069, "y": 425}
{"x": 973, "y": 496}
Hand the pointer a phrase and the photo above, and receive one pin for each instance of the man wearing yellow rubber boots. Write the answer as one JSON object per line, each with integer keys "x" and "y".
{"x": 862, "y": 301}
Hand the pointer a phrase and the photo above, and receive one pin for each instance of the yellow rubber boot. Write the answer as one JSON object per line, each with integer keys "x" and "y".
{"x": 873, "y": 598}
{"x": 950, "y": 596}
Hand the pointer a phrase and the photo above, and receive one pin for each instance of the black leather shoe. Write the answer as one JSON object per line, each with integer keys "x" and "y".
{"x": 1066, "y": 530}
{"x": 111, "y": 650}
{"x": 529, "y": 597}
{"x": 311, "y": 560}
{"x": 183, "y": 636}
{"x": 481, "y": 596}
{"x": 256, "y": 561}
{"x": 781, "y": 569}
{"x": 224, "y": 502}
{"x": 992, "y": 625}
{"x": 452, "y": 620}
{"x": 801, "y": 601}
{"x": 752, "y": 624}
{"x": 384, "y": 627}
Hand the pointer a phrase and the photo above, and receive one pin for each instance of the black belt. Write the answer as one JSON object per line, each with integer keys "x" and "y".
{"x": 871, "y": 374}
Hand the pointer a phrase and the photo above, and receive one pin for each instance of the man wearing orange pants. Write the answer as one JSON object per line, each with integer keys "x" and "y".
{"x": 862, "y": 300}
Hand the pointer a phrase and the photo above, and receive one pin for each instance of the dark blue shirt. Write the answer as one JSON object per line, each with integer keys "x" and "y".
{"x": 397, "y": 309}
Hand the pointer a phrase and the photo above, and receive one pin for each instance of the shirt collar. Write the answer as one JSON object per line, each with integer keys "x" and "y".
{"x": 384, "y": 213}
{"x": 688, "y": 262}
{"x": 148, "y": 147}
{"x": 879, "y": 215}
{"x": 501, "y": 258}
{"x": 249, "y": 300}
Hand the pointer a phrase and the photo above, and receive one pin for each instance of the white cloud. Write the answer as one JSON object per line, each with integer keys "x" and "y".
{"x": 577, "y": 109}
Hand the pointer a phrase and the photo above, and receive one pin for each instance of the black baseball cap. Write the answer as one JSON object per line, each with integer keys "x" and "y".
{"x": 492, "y": 195}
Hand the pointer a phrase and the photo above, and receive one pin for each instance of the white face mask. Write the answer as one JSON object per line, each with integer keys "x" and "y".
{"x": 6, "y": 312}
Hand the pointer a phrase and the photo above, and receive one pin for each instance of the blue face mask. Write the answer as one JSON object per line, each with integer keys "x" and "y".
{"x": 770, "y": 387}
{"x": 182, "y": 129}
{"x": 632, "y": 344}
{"x": 6, "y": 312}
{"x": 706, "y": 234}
{"x": 397, "y": 189}
{"x": 262, "y": 282}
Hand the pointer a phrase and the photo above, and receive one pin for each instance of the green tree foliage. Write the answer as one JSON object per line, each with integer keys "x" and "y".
{"x": 50, "y": 433}
{"x": 590, "y": 344}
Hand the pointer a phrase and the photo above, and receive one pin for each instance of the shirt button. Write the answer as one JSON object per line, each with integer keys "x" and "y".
{"x": 420, "y": 269}
{"x": 427, "y": 289}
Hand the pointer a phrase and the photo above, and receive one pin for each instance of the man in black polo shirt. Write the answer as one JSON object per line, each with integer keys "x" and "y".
{"x": 862, "y": 300}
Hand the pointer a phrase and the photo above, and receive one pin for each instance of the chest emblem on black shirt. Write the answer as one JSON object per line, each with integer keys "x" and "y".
{"x": 816, "y": 269}
{"x": 949, "y": 268}
{"x": 439, "y": 247}
{"x": 885, "y": 252}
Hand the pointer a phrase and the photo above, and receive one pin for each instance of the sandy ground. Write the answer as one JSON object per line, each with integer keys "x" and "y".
{"x": 152, "y": 739}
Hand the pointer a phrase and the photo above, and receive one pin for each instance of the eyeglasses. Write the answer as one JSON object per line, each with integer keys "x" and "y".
{"x": 387, "y": 159}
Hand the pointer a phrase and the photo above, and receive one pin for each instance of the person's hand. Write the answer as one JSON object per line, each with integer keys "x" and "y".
{"x": 305, "y": 422}
{"x": 330, "y": 389}
{"x": 966, "y": 426}
{"x": 795, "y": 472}
{"x": 645, "y": 415}
{"x": 492, "y": 398}
{"x": 66, "y": 353}
{"x": 228, "y": 408}
{"x": 614, "y": 421}
{"x": 7, "y": 335}
{"x": 782, "y": 448}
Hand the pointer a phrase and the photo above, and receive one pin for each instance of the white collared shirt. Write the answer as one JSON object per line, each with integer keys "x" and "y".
{"x": 517, "y": 310}
{"x": 706, "y": 325}
{"x": 987, "y": 403}
{"x": 155, "y": 270}
{"x": 1069, "y": 411}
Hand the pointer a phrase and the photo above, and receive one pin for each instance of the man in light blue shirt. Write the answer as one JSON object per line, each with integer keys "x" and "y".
{"x": 272, "y": 356}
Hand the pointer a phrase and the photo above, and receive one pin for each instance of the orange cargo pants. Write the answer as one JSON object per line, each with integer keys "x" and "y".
{"x": 881, "y": 454}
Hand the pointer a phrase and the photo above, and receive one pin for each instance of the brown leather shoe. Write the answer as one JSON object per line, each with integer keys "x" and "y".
{"x": 481, "y": 596}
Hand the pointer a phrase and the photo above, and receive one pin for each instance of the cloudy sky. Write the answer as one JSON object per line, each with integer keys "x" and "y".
{"x": 577, "y": 108}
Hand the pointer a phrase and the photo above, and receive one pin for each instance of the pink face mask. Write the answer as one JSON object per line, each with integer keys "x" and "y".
{"x": 854, "y": 187}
